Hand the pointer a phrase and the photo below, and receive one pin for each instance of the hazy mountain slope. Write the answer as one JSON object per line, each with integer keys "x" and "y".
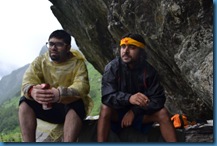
{"x": 10, "y": 85}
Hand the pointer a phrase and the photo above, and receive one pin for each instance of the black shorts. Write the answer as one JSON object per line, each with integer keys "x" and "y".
{"x": 137, "y": 123}
{"x": 58, "y": 112}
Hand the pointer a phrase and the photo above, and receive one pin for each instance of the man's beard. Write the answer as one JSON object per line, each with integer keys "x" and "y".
{"x": 126, "y": 58}
{"x": 54, "y": 57}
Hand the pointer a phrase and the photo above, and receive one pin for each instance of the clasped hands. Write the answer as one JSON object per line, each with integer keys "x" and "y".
{"x": 45, "y": 96}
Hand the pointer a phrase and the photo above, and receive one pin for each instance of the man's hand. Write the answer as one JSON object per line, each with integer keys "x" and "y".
{"x": 45, "y": 96}
{"x": 139, "y": 99}
{"x": 56, "y": 94}
{"x": 127, "y": 119}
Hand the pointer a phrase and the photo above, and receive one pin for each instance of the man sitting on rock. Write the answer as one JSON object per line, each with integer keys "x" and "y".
{"x": 132, "y": 94}
{"x": 55, "y": 88}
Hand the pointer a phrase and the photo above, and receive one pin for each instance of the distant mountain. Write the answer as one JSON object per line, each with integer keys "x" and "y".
{"x": 43, "y": 50}
{"x": 6, "y": 69}
{"x": 10, "y": 85}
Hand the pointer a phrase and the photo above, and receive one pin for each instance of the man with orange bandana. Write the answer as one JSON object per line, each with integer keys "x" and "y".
{"x": 132, "y": 94}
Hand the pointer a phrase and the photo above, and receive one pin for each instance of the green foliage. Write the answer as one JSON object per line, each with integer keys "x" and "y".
{"x": 95, "y": 88}
{"x": 9, "y": 126}
{"x": 13, "y": 136}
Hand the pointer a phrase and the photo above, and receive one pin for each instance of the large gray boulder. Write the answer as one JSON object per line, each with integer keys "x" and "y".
{"x": 179, "y": 36}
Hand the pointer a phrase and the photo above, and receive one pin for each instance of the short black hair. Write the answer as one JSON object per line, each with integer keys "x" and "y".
{"x": 135, "y": 36}
{"x": 61, "y": 34}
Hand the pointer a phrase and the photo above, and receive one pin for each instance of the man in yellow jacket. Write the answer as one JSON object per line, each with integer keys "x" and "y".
{"x": 58, "y": 79}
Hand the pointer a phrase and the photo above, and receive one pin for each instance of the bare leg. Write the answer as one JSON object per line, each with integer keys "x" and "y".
{"x": 72, "y": 126}
{"x": 166, "y": 127}
{"x": 27, "y": 121}
{"x": 103, "y": 127}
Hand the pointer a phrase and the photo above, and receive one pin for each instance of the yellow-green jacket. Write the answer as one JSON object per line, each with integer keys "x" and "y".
{"x": 69, "y": 76}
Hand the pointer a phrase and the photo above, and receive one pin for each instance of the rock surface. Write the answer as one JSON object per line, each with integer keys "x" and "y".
{"x": 179, "y": 40}
{"x": 47, "y": 132}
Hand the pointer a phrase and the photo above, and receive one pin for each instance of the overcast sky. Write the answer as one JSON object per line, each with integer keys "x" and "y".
{"x": 24, "y": 28}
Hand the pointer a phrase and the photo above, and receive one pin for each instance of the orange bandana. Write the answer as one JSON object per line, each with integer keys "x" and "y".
{"x": 130, "y": 41}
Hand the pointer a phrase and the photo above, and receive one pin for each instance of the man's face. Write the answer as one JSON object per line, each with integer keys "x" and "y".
{"x": 58, "y": 50}
{"x": 129, "y": 53}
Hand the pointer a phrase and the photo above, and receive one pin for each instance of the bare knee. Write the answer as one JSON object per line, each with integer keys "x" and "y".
{"x": 71, "y": 114}
{"x": 162, "y": 115}
{"x": 24, "y": 107}
{"x": 105, "y": 111}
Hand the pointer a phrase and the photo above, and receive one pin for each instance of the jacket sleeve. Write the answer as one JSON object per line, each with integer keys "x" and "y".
{"x": 154, "y": 92}
{"x": 80, "y": 86}
{"x": 33, "y": 76}
{"x": 110, "y": 94}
